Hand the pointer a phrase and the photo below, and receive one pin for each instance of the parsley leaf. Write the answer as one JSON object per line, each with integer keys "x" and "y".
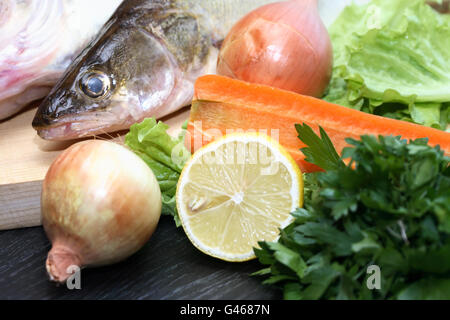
{"x": 320, "y": 151}
{"x": 389, "y": 207}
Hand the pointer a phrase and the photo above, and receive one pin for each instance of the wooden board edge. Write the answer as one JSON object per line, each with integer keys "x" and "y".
{"x": 20, "y": 205}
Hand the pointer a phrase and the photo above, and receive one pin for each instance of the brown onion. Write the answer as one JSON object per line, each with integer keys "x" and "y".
{"x": 284, "y": 44}
{"x": 100, "y": 204}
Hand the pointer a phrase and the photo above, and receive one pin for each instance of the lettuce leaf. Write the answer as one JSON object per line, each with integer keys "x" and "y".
{"x": 394, "y": 52}
{"x": 164, "y": 154}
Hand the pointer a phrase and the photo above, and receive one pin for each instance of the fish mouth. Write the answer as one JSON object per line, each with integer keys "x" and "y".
{"x": 74, "y": 130}
{"x": 58, "y": 132}
{"x": 76, "y": 127}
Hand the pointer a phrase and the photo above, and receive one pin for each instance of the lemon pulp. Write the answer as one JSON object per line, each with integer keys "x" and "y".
{"x": 237, "y": 191}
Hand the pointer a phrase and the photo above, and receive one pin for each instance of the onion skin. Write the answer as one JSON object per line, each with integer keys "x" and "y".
{"x": 100, "y": 204}
{"x": 284, "y": 45}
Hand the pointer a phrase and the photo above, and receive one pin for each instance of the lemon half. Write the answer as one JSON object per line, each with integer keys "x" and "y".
{"x": 236, "y": 191}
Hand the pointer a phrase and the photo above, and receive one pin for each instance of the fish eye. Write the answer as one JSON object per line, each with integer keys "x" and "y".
{"x": 95, "y": 84}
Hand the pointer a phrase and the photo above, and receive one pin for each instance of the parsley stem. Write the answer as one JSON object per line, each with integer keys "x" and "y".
{"x": 403, "y": 231}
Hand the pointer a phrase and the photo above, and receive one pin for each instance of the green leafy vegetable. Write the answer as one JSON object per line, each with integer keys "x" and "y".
{"x": 164, "y": 154}
{"x": 320, "y": 150}
{"x": 391, "y": 59}
{"x": 389, "y": 207}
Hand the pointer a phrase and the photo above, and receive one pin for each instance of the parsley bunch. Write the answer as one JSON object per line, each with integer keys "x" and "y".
{"x": 388, "y": 207}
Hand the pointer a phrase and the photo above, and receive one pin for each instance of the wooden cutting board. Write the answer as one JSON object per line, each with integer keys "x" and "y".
{"x": 24, "y": 161}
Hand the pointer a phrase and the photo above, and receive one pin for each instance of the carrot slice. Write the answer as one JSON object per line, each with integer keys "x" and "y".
{"x": 222, "y": 105}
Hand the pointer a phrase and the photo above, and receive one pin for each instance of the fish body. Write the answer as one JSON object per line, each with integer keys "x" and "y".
{"x": 143, "y": 63}
{"x": 38, "y": 40}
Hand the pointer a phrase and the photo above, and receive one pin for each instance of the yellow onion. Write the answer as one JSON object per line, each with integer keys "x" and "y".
{"x": 284, "y": 44}
{"x": 100, "y": 204}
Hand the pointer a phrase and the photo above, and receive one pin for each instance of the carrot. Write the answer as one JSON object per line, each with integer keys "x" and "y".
{"x": 222, "y": 105}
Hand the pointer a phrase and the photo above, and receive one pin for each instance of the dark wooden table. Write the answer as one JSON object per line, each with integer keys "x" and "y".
{"x": 167, "y": 267}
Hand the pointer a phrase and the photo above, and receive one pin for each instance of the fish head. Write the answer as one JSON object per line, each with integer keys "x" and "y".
{"x": 124, "y": 75}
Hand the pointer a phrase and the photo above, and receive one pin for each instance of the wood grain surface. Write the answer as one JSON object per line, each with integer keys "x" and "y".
{"x": 20, "y": 205}
{"x": 25, "y": 159}
{"x": 167, "y": 267}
